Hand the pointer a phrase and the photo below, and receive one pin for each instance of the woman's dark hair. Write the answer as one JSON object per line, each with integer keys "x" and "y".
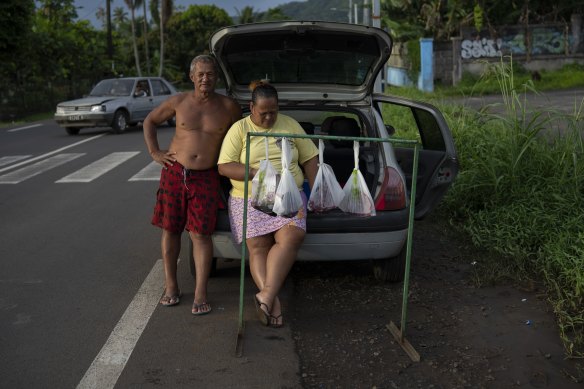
{"x": 263, "y": 90}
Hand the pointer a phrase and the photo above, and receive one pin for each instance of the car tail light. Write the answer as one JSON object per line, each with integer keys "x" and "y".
{"x": 392, "y": 195}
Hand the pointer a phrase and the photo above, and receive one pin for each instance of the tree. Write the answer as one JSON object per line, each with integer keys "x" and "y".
{"x": 120, "y": 17}
{"x": 412, "y": 19}
{"x": 137, "y": 4}
{"x": 16, "y": 21}
{"x": 166, "y": 7}
{"x": 189, "y": 32}
{"x": 273, "y": 14}
{"x": 246, "y": 15}
{"x": 132, "y": 5}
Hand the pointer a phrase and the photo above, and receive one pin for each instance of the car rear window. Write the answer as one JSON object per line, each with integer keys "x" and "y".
{"x": 285, "y": 58}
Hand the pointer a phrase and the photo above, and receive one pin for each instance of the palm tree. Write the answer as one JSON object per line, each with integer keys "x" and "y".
{"x": 137, "y": 4}
{"x": 273, "y": 14}
{"x": 132, "y": 4}
{"x": 246, "y": 15}
{"x": 120, "y": 16}
{"x": 166, "y": 7}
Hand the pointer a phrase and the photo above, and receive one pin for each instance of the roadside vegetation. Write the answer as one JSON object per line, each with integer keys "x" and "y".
{"x": 520, "y": 191}
{"x": 569, "y": 76}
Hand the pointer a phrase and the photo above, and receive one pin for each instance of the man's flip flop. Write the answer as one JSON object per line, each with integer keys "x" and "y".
{"x": 169, "y": 301}
{"x": 263, "y": 315}
{"x": 197, "y": 308}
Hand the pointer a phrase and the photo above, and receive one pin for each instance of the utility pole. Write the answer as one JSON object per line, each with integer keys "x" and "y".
{"x": 367, "y": 12}
{"x": 376, "y": 22}
{"x": 376, "y": 14}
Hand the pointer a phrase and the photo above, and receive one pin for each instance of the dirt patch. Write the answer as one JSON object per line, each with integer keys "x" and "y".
{"x": 467, "y": 337}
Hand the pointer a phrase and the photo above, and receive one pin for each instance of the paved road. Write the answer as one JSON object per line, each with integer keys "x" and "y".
{"x": 80, "y": 277}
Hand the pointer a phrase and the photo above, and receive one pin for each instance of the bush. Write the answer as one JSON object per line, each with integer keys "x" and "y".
{"x": 520, "y": 193}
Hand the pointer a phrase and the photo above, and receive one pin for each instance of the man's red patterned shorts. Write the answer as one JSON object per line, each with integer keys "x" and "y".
{"x": 187, "y": 199}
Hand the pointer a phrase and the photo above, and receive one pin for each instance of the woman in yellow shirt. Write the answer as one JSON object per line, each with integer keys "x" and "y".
{"x": 272, "y": 241}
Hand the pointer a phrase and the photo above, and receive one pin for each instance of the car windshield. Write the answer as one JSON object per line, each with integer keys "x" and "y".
{"x": 113, "y": 88}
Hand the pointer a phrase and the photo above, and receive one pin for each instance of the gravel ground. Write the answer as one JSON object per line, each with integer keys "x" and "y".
{"x": 501, "y": 336}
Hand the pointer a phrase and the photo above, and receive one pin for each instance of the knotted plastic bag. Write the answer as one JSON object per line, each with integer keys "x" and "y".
{"x": 357, "y": 198}
{"x": 288, "y": 199}
{"x": 326, "y": 192}
{"x": 264, "y": 184}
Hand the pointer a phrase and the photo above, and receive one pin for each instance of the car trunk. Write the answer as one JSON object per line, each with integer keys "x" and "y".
{"x": 339, "y": 155}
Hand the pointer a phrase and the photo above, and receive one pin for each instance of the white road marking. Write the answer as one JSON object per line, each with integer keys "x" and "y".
{"x": 150, "y": 173}
{"x": 111, "y": 360}
{"x": 99, "y": 167}
{"x": 24, "y": 128}
{"x": 50, "y": 153}
{"x": 11, "y": 159}
{"x": 35, "y": 169}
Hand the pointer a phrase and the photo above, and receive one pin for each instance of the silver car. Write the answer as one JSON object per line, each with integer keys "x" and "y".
{"x": 117, "y": 103}
{"x": 325, "y": 75}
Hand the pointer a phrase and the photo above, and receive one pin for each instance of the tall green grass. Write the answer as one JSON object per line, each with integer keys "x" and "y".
{"x": 520, "y": 193}
{"x": 568, "y": 76}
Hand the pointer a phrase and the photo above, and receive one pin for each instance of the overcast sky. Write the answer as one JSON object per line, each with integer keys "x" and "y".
{"x": 90, "y": 6}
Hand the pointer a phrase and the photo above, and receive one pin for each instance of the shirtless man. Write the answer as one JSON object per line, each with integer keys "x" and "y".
{"x": 188, "y": 195}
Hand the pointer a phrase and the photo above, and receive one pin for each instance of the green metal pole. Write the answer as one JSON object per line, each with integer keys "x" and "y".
{"x": 243, "y": 242}
{"x": 409, "y": 244}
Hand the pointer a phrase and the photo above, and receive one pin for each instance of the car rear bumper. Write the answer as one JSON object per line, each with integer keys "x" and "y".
{"x": 328, "y": 247}
{"x": 334, "y": 236}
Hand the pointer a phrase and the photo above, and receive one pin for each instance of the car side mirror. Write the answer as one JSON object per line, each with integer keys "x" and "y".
{"x": 390, "y": 129}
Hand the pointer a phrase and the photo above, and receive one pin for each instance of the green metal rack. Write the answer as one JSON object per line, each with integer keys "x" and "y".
{"x": 398, "y": 333}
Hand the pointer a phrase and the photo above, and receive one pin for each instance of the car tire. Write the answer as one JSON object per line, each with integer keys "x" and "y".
{"x": 191, "y": 260}
{"x": 120, "y": 122}
{"x": 390, "y": 269}
{"x": 72, "y": 130}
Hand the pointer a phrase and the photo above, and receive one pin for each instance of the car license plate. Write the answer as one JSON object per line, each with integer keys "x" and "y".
{"x": 76, "y": 117}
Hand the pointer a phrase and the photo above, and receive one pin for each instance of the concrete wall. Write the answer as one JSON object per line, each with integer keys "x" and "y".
{"x": 549, "y": 47}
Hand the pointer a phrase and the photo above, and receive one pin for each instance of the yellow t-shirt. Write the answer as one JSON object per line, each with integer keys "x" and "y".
{"x": 234, "y": 148}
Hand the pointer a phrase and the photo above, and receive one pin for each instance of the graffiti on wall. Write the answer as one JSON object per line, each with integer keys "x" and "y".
{"x": 544, "y": 40}
{"x": 480, "y": 48}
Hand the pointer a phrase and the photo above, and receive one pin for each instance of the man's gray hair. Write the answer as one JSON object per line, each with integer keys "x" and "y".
{"x": 204, "y": 58}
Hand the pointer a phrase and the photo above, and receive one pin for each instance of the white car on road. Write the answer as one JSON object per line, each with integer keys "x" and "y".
{"x": 116, "y": 102}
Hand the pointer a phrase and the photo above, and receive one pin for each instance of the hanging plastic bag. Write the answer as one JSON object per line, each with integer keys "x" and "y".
{"x": 357, "y": 198}
{"x": 326, "y": 192}
{"x": 288, "y": 199}
{"x": 264, "y": 184}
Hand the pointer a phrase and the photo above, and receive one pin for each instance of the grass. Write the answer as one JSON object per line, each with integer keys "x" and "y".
{"x": 569, "y": 76}
{"x": 520, "y": 192}
{"x": 28, "y": 119}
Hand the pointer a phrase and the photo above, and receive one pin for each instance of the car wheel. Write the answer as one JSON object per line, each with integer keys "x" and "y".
{"x": 120, "y": 123}
{"x": 390, "y": 269}
{"x": 171, "y": 122}
{"x": 192, "y": 263}
{"x": 72, "y": 130}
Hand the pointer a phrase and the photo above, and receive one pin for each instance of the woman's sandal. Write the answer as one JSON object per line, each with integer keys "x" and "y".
{"x": 263, "y": 315}
{"x": 274, "y": 321}
{"x": 198, "y": 310}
